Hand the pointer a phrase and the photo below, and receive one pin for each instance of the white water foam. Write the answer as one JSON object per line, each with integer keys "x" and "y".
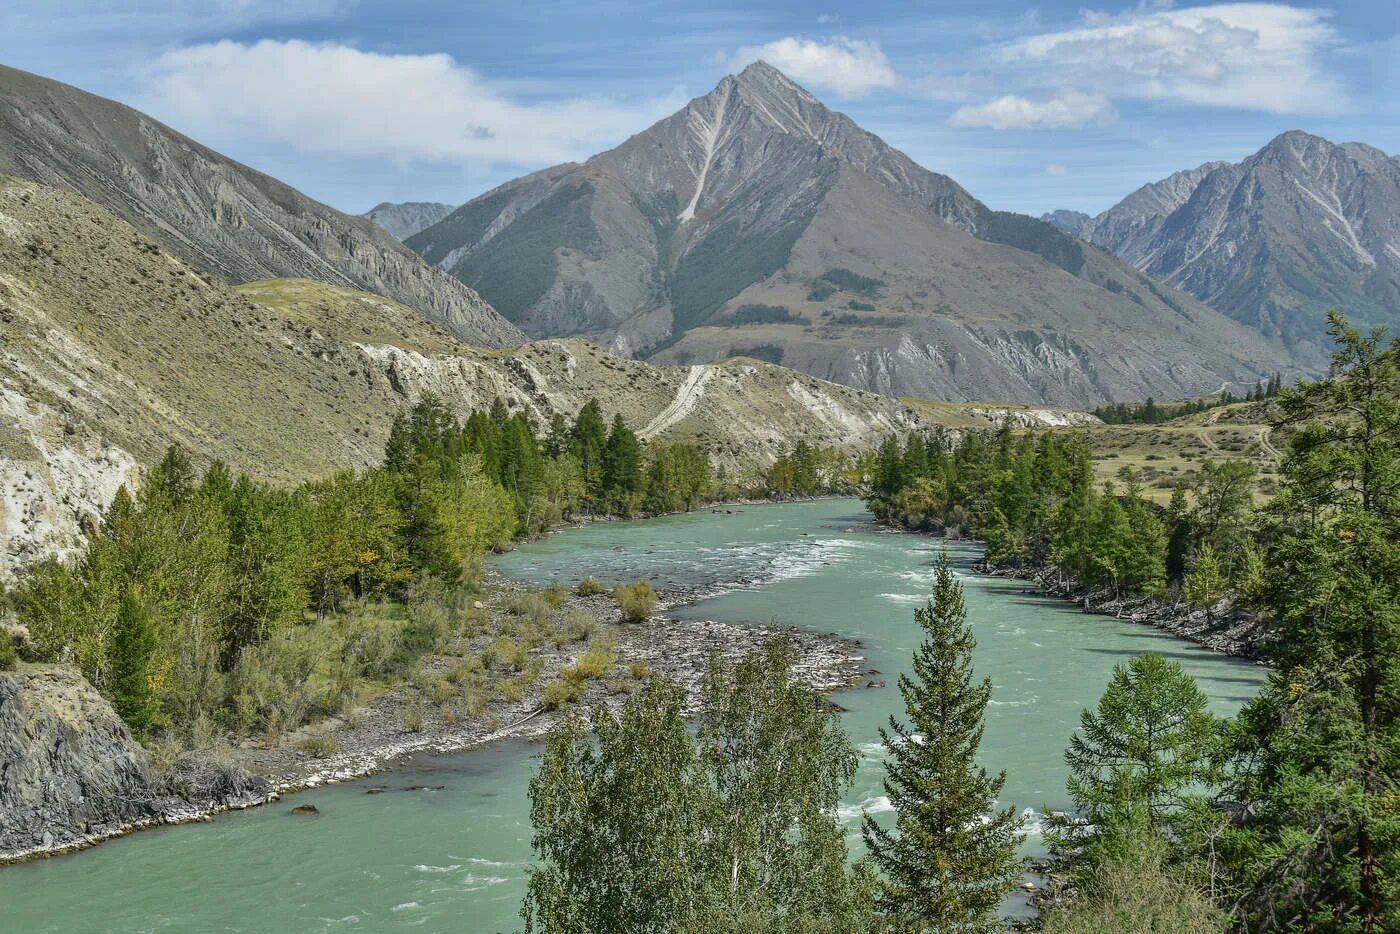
{"x": 875, "y": 804}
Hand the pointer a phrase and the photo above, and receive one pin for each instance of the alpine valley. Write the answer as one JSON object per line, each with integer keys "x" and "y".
{"x": 749, "y": 410}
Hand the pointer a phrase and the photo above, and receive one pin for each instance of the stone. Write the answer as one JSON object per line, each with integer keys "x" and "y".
{"x": 303, "y": 810}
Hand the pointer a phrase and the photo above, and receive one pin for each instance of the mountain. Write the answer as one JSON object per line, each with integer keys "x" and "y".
{"x": 406, "y": 219}
{"x": 1301, "y": 226}
{"x": 756, "y": 221}
{"x": 219, "y": 216}
{"x": 1071, "y": 222}
{"x": 112, "y": 348}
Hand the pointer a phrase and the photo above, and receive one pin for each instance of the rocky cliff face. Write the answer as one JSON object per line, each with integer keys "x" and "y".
{"x": 1071, "y": 222}
{"x": 757, "y": 222}
{"x": 1274, "y": 241}
{"x": 71, "y": 774}
{"x": 406, "y": 219}
{"x": 69, "y": 769}
{"x": 217, "y": 215}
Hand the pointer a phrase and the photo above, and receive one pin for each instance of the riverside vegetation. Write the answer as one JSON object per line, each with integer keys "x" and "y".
{"x": 1282, "y": 818}
{"x": 209, "y": 604}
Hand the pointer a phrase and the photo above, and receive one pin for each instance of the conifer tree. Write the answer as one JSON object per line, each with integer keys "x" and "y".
{"x": 588, "y": 438}
{"x": 133, "y": 666}
{"x": 1150, "y": 739}
{"x": 622, "y": 462}
{"x": 950, "y": 857}
{"x": 1205, "y": 583}
{"x": 1317, "y": 839}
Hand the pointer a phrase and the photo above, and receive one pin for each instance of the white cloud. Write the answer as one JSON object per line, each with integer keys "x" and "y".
{"x": 1055, "y": 170}
{"x": 850, "y": 67}
{"x": 1068, "y": 108}
{"x": 1263, "y": 56}
{"x": 335, "y": 98}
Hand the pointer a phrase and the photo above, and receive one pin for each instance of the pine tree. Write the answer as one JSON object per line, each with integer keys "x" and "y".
{"x": 588, "y": 438}
{"x": 949, "y": 858}
{"x": 622, "y": 464}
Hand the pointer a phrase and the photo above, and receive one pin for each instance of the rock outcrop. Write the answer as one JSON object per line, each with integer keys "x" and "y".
{"x": 406, "y": 219}
{"x": 71, "y": 774}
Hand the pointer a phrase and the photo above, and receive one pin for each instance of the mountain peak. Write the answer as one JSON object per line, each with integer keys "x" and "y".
{"x": 1301, "y": 226}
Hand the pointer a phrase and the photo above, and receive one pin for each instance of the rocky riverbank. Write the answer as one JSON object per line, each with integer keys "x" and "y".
{"x": 1225, "y": 628}
{"x": 72, "y": 775}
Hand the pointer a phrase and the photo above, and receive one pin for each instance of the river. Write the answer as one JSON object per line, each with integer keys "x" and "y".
{"x": 444, "y": 846}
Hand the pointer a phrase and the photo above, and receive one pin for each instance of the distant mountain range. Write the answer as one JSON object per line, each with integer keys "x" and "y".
{"x": 406, "y": 219}
{"x": 218, "y": 215}
{"x": 1301, "y": 226}
{"x": 756, "y": 221}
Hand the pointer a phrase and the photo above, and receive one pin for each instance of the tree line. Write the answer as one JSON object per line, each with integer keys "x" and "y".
{"x": 1283, "y": 817}
{"x": 206, "y": 600}
{"x": 1152, "y": 412}
{"x": 1035, "y": 503}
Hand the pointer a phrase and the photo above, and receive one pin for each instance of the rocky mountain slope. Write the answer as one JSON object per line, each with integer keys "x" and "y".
{"x": 1071, "y": 222}
{"x": 1301, "y": 226}
{"x": 111, "y": 348}
{"x": 406, "y": 219}
{"x": 219, "y": 216}
{"x": 757, "y": 221}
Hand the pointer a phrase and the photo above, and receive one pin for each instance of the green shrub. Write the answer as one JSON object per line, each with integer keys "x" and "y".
{"x": 637, "y": 601}
{"x": 640, "y": 669}
{"x": 411, "y": 716}
{"x": 589, "y": 587}
{"x": 575, "y": 627}
{"x": 534, "y": 607}
{"x": 554, "y": 595}
{"x": 559, "y": 692}
{"x": 594, "y": 663}
{"x": 507, "y": 653}
{"x": 318, "y": 745}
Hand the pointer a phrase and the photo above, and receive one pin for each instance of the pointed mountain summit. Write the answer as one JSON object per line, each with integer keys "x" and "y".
{"x": 757, "y": 222}
{"x": 218, "y": 215}
{"x": 1301, "y": 226}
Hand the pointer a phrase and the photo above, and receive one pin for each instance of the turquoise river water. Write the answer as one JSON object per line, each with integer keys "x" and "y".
{"x": 445, "y": 848}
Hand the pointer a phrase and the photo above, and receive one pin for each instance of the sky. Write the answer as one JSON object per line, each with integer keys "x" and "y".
{"x": 1031, "y": 107}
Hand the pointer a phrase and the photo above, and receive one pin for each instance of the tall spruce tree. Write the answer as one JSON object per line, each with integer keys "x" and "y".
{"x": 950, "y": 857}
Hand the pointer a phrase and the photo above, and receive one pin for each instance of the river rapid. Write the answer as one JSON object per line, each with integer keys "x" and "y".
{"x": 442, "y": 843}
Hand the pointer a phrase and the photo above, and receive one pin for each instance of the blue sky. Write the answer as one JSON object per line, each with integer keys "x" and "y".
{"x": 1029, "y": 106}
